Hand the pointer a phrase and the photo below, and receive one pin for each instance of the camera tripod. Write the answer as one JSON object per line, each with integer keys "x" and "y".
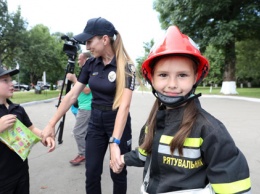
{"x": 69, "y": 69}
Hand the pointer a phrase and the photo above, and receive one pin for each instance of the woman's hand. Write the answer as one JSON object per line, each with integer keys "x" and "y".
{"x": 48, "y": 131}
{"x": 115, "y": 170}
{"x": 116, "y": 163}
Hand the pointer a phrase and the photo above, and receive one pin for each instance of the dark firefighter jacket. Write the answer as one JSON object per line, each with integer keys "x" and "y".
{"x": 209, "y": 156}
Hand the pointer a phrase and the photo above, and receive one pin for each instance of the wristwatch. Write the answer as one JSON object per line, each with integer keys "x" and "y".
{"x": 114, "y": 140}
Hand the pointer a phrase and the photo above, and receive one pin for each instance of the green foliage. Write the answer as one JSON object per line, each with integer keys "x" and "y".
{"x": 41, "y": 53}
{"x": 12, "y": 32}
{"x": 147, "y": 47}
{"x": 35, "y": 50}
{"x": 216, "y": 23}
{"x": 216, "y": 59}
{"x": 248, "y": 65}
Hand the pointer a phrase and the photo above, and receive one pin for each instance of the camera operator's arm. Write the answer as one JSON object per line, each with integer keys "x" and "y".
{"x": 73, "y": 78}
{"x": 86, "y": 90}
{"x": 67, "y": 101}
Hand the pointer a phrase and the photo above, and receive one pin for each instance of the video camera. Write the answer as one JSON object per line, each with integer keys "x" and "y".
{"x": 71, "y": 46}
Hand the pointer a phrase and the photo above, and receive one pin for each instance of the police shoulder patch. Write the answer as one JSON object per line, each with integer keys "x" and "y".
{"x": 131, "y": 67}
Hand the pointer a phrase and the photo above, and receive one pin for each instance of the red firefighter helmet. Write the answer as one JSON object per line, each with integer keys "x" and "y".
{"x": 175, "y": 43}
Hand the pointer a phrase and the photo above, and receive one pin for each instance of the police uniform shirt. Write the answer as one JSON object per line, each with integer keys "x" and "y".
{"x": 11, "y": 165}
{"x": 102, "y": 80}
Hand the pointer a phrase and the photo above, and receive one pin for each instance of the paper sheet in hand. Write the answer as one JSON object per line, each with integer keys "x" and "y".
{"x": 20, "y": 139}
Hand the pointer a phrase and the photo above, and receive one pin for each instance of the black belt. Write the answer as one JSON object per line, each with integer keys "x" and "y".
{"x": 101, "y": 107}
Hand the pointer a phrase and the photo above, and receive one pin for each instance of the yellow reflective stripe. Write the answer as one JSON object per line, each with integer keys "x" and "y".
{"x": 189, "y": 142}
{"x": 233, "y": 187}
{"x": 142, "y": 151}
{"x": 166, "y": 139}
{"x": 193, "y": 142}
{"x": 146, "y": 130}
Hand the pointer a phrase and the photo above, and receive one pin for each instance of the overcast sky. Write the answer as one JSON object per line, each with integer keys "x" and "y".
{"x": 136, "y": 20}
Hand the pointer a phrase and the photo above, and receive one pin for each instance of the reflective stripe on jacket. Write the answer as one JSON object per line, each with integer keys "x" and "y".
{"x": 209, "y": 156}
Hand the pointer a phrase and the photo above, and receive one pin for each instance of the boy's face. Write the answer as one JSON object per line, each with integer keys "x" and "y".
{"x": 174, "y": 76}
{"x": 6, "y": 86}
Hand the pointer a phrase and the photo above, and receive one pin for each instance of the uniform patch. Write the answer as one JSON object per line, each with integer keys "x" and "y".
{"x": 131, "y": 67}
{"x": 112, "y": 76}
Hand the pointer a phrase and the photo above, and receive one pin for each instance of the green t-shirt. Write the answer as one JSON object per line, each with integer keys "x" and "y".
{"x": 84, "y": 100}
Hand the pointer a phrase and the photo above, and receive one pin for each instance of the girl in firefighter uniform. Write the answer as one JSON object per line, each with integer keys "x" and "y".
{"x": 185, "y": 148}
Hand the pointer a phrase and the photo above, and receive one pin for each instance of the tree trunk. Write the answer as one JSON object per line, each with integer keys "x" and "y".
{"x": 228, "y": 87}
{"x": 33, "y": 79}
{"x": 229, "y": 77}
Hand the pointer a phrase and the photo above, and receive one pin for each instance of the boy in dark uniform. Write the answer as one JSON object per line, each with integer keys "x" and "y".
{"x": 14, "y": 172}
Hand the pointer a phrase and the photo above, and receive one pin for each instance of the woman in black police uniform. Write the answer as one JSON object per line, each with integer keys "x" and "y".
{"x": 110, "y": 75}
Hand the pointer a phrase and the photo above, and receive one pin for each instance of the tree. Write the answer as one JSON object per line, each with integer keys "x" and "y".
{"x": 248, "y": 61}
{"x": 147, "y": 47}
{"x": 35, "y": 50}
{"x": 216, "y": 59}
{"x": 42, "y": 52}
{"x": 218, "y": 23}
{"x": 12, "y": 32}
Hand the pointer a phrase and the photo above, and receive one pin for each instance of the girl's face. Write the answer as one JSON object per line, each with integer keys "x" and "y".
{"x": 174, "y": 76}
{"x": 96, "y": 45}
{"x": 6, "y": 87}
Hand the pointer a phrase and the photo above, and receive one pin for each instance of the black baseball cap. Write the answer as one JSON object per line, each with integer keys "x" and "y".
{"x": 96, "y": 27}
{"x": 10, "y": 72}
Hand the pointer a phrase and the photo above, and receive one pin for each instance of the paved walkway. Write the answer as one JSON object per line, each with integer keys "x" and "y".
{"x": 51, "y": 173}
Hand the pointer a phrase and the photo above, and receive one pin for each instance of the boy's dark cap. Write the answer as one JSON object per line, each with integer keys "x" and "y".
{"x": 96, "y": 27}
{"x": 10, "y": 72}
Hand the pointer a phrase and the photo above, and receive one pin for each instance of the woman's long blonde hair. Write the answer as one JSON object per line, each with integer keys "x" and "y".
{"x": 122, "y": 60}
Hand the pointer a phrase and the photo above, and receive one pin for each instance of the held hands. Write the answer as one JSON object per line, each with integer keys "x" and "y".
{"x": 7, "y": 121}
{"x": 118, "y": 170}
{"x": 50, "y": 142}
{"x": 47, "y": 133}
{"x": 116, "y": 161}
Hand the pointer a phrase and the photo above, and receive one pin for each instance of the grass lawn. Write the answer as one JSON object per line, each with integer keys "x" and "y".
{"x": 29, "y": 96}
{"x": 242, "y": 92}
{"x": 23, "y": 97}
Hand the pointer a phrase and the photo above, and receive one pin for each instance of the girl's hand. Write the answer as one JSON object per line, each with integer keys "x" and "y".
{"x": 7, "y": 121}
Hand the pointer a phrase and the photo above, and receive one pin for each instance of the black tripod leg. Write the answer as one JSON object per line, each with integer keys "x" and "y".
{"x": 60, "y": 130}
